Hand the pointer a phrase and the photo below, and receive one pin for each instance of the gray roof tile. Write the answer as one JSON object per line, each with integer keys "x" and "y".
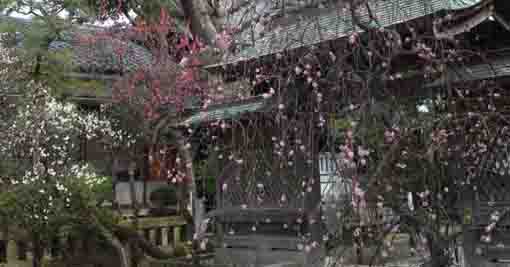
{"x": 338, "y": 24}
{"x": 226, "y": 111}
{"x": 93, "y": 51}
{"x": 104, "y": 54}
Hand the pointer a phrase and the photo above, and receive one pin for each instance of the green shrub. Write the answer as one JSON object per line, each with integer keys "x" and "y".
{"x": 165, "y": 196}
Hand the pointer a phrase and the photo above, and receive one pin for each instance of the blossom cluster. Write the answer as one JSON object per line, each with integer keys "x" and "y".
{"x": 43, "y": 137}
{"x": 52, "y": 130}
{"x": 87, "y": 174}
{"x": 52, "y": 196}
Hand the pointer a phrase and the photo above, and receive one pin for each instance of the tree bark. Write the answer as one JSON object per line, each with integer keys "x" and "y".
{"x": 147, "y": 248}
{"x": 188, "y": 161}
{"x": 200, "y": 20}
{"x": 123, "y": 253}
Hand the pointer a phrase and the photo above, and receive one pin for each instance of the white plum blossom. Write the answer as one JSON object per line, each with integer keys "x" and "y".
{"x": 44, "y": 136}
{"x": 52, "y": 129}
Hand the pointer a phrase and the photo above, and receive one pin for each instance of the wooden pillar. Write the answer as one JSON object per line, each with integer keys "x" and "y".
{"x": 71, "y": 246}
{"x": 22, "y": 250}
{"x": 3, "y": 250}
{"x": 218, "y": 198}
{"x": 55, "y": 248}
{"x": 3, "y": 244}
{"x": 79, "y": 246}
{"x": 164, "y": 236}
{"x": 62, "y": 242}
{"x": 177, "y": 235}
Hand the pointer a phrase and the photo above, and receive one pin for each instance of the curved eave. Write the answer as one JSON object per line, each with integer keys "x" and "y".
{"x": 494, "y": 69}
{"x": 338, "y": 24}
{"x": 225, "y": 111}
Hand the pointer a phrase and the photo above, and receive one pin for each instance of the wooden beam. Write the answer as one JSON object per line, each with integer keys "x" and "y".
{"x": 156, "y": 222}
{"x": 93, "y": 76}
{"x": 254, "y": 241}
{"x": 79, "y": 99}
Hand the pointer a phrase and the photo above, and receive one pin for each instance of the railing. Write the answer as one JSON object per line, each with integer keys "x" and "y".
{"x": 160, "y": 230}
{"x": 164, "y": 232}
{"x": 196, "y": 260}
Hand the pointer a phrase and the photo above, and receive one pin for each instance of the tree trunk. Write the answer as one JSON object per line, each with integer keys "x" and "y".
{"x": 185, "y": 152}
{"x": 123, "y": 253}
{"x": 149, "y": 249}
{"x": 188, "y": 161}
{"x": 437, "y": 258}
{"x": 201, "y": 22}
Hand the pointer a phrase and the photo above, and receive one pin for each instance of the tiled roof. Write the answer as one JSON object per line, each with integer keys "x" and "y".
{"x": 226, "y": 111}
{"x": 338, "y": 24}
{"x": 103, "y": 54}
{"x": 93, "y": 51}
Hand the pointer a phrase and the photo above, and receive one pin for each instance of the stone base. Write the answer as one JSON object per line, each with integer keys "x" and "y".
{"x": 266, "y": 258}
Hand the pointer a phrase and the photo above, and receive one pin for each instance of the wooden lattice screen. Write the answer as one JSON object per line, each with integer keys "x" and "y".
{"x": 492, "y": 189}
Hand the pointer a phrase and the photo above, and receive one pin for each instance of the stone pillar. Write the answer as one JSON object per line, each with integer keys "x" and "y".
{"x": 177, "y": 235}
{"x": 12, "y": 250}
{"x": 30, "y": 253}
{"x": 152, "y": 236}
{"x": 164, "y": 236}
{"x": 141, "y": 232}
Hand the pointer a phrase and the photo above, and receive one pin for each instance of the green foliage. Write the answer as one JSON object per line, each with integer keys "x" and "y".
{"x": 165, "y": 196}
{"x": 148, "y": 10}
{"x": 340, "y": 124}
{"x": 36, "y": 58}
{"x": 182, "y": 251}
{"x": 47, "y": 191}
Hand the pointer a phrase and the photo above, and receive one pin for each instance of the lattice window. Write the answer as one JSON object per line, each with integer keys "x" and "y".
{"x": 493, "y": 188}
{"x": 332, "y": 185}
